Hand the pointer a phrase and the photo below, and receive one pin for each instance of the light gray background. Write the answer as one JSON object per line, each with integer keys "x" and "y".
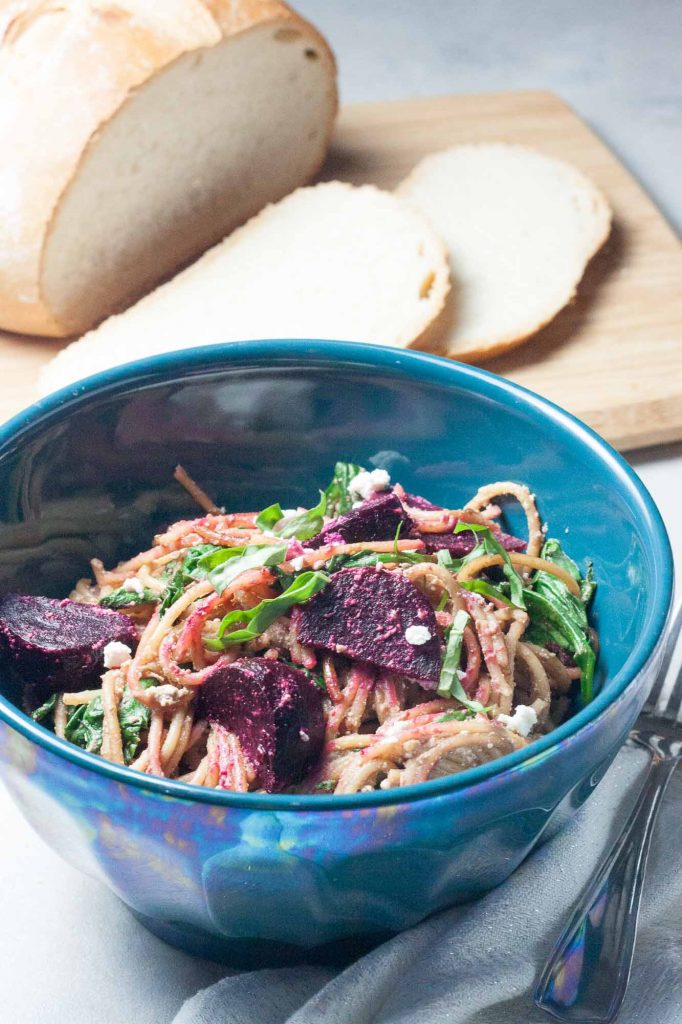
{"x": 69, "y": 952}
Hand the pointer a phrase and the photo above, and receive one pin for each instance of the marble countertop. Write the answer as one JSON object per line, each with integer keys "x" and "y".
{"x": 69, "y": 951}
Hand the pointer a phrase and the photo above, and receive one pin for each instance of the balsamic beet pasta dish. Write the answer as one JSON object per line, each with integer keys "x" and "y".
{"x": 372, "y": 641}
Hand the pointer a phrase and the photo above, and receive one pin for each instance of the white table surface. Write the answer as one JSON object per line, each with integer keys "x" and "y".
{"x": 69, "y": 952}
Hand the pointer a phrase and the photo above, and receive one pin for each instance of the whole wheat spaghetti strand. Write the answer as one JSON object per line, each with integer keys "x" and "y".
{"x": 181, "y": 748}
{"x": 323, "y": 554}
{"x": 485, "y": 495}
{"x": 82, "y": 697}
{"x": 112, "y": 745}
{"x": 472, "y": 569}
{"x": 172, "y": 737}
{"x": 154, "y": 766}
{"x": 60, "y": 717}
{"x": 192, "y": 487}
{"x": 540, "y": 691}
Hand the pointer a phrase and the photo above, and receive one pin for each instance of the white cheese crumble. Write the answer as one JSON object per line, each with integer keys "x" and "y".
{"x": 297, "y": 563}
{"x": 115, "y": 654}
{"x": 167, "y": 695}
{"x": 522, "y": 721}
{"x": 133, "y": 585}
{"x": 417, "y": 635}
{"x": 364, "y": 484}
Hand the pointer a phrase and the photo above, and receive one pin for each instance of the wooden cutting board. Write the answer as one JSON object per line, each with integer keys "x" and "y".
{"x": 614, "y": 357}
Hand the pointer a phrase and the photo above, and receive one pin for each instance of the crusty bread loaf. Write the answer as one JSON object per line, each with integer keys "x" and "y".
{"x": 520, "y": 228}
{"x": 135, "y": 134}
{"x": 329, "y": 261}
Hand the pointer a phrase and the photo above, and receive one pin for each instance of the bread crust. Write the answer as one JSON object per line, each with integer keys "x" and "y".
{"x": 79, "y": 91}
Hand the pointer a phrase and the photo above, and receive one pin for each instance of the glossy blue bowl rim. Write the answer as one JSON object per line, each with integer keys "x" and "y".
{"x": 429, "y": 369}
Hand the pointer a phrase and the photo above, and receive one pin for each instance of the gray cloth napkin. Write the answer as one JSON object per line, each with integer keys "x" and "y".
{"x": 477, "y": 964}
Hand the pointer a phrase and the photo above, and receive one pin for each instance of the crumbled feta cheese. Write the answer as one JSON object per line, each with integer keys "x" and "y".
{"x": 287, "y": 513}
{"x": 297, "y": 563}
{"x": 133, "y": 585}
{"x": 167, "y": 695}
{"x": 115, "y": 654}
{"x": 522, "y": 721}
{"x": 364, "y": 484}
{"x": 417, "y": 635}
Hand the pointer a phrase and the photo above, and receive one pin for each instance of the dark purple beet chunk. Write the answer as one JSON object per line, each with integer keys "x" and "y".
{"x": 564, "y": 656}
{"x": 58, "y": 644}
{"x": 460, "y": 544}
{"x": 363, "y": 614}
{"x": 416, "y": 501}
{"x": 276, "y": 713}
{"x": 376, "y": 519}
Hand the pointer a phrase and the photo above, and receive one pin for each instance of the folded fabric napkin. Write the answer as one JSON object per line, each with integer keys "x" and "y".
{"x": 478, "y": 963}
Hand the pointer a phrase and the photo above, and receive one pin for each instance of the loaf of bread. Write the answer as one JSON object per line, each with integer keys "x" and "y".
{"x": 328, "y": 261}
{"x": 137, "y": 133}
{"x": 520, "y": 228}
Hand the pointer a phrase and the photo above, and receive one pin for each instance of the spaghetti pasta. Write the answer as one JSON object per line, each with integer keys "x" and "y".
{"x": 507, "y": 628}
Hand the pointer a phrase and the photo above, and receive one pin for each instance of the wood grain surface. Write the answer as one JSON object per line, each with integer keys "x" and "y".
{"x": 614, "y": 356}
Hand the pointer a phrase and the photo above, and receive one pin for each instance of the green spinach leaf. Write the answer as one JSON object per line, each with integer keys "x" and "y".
{"x": 264, "y": 614}
{"x": 123, "y": 598}
{"x": 339, "y": 498}
{"x": 181, "y": 576}
{"x": 45, "y": 709}
{"x": 221, "y": 566}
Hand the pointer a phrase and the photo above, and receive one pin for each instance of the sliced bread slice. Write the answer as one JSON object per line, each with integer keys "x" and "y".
{"x": 520, "y": 228}
{"x": 329, "y": 261}
{"x": 136, "y": 134}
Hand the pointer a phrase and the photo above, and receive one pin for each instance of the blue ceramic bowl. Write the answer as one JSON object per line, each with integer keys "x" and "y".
{"x": 252, "y": 879}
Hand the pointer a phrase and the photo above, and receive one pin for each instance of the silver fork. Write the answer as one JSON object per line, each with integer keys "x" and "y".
{"x": 587, "y": 973}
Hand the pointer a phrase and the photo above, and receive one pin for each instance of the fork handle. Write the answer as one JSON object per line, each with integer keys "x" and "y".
{"x": 587, "y": 973}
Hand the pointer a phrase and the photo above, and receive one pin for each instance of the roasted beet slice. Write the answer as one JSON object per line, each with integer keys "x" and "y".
{"x": 416, "y": 501}
{"x": 58, "y": 644}
{"x": 376, "y": 519}
{"x": 276, "y": 713}
{"x": 460, "y": 544}
{"x": 367, "y": 614}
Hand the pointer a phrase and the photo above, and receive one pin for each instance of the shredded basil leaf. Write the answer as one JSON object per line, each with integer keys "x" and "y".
{"x": 490, "y": 545}
{"x": 45, "y": 709}
{"x": 444, "y": 558}
{"x": 456, "y": 716}
{"x": 259, "y": 618}
{"x": 486, "y": 589}
{"x": 450, "y": 684}
{"x": 361, "y": 558}
{"x": 123, "y": 598}
{"x": 339, "y": 498}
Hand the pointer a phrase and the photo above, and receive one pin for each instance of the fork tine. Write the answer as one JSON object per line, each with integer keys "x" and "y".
{"x": 670, "y": 644}
{"x": 673, "y": 706}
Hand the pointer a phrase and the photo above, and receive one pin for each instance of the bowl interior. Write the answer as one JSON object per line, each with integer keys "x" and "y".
{"x": 89, "y": 473}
